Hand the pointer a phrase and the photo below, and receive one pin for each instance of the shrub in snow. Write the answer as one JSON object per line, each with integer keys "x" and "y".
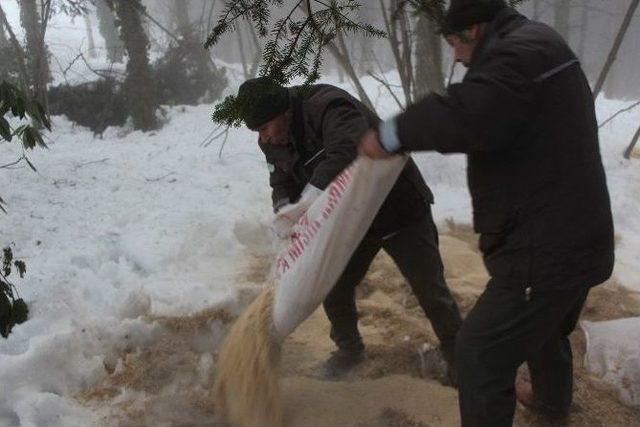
{"x": 184, "y": 75}
{"x": 187, "y": 75}
{"x": 13, "y": 310}
{"x": 12, "y": 101}
{"x": 96, "y": 105}
{"x": 9, "y": 64}
{"x": 16, "y": 106}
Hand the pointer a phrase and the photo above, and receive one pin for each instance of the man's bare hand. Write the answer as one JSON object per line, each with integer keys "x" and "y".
{"x": 370, "y": 146}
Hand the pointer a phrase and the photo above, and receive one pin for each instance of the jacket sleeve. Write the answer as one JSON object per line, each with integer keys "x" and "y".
{"x": 483, "y": 113}
{"x": 283, "y": 187}
{"x": 342, "y": 126}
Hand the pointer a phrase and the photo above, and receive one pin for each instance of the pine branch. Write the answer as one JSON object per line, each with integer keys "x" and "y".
{"x": 294, "y": 44}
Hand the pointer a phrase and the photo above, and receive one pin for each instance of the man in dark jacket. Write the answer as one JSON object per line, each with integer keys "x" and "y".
{"x": 308, "y": 137}
{"x": 524, "y": 115}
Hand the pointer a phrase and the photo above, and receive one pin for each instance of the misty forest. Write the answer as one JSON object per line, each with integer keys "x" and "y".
{"x": 136, "y": 207}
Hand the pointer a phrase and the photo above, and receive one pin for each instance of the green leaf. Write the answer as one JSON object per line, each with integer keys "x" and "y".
{"x": 19, "y": 312}
{"x": 38, "y": 137}
{"x": 5, "y": 129}
{"x": 44, "y": 119}
{"x": 5, "y": 311}
{"x": 38, "y": 113}
{"x": 33, "y": 168}
{"x": 7, "y": 257}
{"x": 5, "y": 288}
{"x": 20, "y": 130}
{"x": 5, "y": 105}
{"x": 18, "y": 107}
{"x": 21, "y": 267}
{"x": 28, "y": 140}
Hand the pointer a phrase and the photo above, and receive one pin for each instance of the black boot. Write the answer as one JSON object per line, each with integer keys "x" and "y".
{"x": 438, "y": 364}
{"x": 340, "y": 363}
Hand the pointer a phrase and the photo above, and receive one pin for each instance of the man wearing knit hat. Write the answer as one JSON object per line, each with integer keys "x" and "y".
{"x": 524, "y": 115}
{"x": 308, "y": 137}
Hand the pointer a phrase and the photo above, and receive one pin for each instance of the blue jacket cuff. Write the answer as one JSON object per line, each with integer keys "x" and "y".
{"x": 388, "y": 135}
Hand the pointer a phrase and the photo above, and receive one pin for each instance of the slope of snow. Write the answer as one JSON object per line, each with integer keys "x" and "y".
{"x": 137, "y": 223}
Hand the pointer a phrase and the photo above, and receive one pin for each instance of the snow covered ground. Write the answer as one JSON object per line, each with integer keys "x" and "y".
{"x": 139, "y": 223}
{"x": 133, "y": 224}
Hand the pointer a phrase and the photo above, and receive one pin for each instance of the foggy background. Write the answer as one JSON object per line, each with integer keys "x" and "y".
{"x": 590, "y": 26}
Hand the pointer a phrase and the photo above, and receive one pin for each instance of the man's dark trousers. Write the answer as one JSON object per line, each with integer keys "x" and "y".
{"x": 414, "y": 249}
{"x": 510, "y": 325}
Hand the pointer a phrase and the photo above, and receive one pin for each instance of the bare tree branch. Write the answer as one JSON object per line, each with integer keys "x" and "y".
{"x": 243, "y": 57}
{"x": 615, "y": 48}
{"x": 631, "y": 107}
{"x": 158, "y": 24}
{"x": 391, "y": 27}
{"x": 99, "y": 73}
{"x": 8, "y": 165}
{"x": 388, "y": 87}
{"x": 258, "y": 53}
{"x": 634, "y": 141}
{"x": 224, "y": 141}
{"x": 341, "y": 55}
{"x": 92, "y": 162}
{"x": 160, "y": 178}
{"x": 20, "y": 55}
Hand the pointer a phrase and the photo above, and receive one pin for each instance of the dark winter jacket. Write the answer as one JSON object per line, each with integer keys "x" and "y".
{"x": 524, "y": 114}
{"x": 326, "y": 126}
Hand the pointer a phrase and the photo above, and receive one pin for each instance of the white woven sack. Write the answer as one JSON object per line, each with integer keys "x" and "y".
{"x": 326, "y": 237}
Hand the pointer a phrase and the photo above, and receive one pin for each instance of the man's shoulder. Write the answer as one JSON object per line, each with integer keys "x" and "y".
{"x": 324, "y": 93}
{"x": 533, "y": 48}
{"x": 321, "y": 98}
{"x": 537, "y": 37}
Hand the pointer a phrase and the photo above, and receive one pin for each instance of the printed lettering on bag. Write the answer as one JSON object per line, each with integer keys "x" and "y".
{"x": 309, "y": 228}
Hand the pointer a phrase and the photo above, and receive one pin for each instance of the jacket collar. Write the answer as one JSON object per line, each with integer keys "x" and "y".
{"x": 296, "y": 127}
{"x": 505, "y": 21}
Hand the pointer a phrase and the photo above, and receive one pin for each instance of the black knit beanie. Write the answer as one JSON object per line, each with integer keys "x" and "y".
{"x": 464, "y": 13}
{"x": 261, "y": 100}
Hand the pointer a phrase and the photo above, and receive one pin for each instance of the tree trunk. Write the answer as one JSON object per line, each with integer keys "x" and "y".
{"x": 615, "y": 48}
{"x": 634, "y": 141}
{"x": 402, "y": 66}
{"x": 243, "y": 58}
{"x": 4, "y": 41}
{"x": 18, "y": 52}
{"x": 209, "y": 22}
{"x": 139, "y": 86}
{"x": 342, "y": 57}
{"x": 183, "y": 23}
{"x": 90, "y": 40}
{"x": 429, "y": 75}
{"x": 561, "y": 15}
{"x": 583, "y": 29}
{"x": 253, "y": 71}
{"x": 407, "y": 52}
{"x": 109, "y": 32}
{"x": 36, "y": 53}
{"x": 536, "y": 10}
